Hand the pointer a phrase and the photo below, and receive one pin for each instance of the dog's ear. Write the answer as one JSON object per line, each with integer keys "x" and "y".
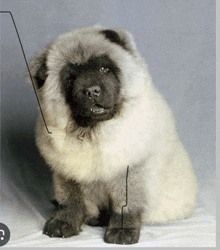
{"x": 121, "y": 37}
{"x": 38, "y": 68}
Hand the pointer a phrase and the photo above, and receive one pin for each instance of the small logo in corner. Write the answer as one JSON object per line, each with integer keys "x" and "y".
{"x": 4, "y": 234}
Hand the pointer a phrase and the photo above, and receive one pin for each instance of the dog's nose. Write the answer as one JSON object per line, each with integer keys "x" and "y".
{"x": 93, "y": 91}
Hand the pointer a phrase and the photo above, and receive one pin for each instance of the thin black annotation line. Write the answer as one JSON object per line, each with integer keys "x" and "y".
{"x": 9, "y": 12}
{"x": 122, "y": 212}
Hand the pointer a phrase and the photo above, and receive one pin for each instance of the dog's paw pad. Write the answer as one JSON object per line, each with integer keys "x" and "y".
{"x": 59, "y": 228}
{"x": 122, "y": 236}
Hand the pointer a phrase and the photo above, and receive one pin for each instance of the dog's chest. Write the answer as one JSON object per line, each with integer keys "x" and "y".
{"x": 89, "y": 158}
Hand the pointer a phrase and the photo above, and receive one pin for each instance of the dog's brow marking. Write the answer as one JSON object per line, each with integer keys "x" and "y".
{"x": 9, "y": 12}
{"x": 122, "y": 215}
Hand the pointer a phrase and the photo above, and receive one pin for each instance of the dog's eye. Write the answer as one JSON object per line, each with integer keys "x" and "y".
{"x": 104, "y": 70}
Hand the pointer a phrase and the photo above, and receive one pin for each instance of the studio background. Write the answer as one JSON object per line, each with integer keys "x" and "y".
{"x": 176, "y": 38}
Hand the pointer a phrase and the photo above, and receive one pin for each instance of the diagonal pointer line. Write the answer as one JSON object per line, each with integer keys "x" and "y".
{"x": 9, "y": 12}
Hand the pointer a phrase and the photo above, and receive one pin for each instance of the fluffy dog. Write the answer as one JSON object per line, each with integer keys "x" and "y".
{"x": 104, "y": 115}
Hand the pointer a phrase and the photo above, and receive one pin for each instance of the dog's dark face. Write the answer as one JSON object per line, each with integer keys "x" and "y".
{"x": 91, "y": 90}
{"x": 87, "y": 75}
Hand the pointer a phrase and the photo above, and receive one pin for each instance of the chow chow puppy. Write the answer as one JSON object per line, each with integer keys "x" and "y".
{"x": 104, "y": 115}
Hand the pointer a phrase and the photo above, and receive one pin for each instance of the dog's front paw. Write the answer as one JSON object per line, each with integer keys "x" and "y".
{"x": 124, "y": 236}
{"x": 59, "y": 228}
